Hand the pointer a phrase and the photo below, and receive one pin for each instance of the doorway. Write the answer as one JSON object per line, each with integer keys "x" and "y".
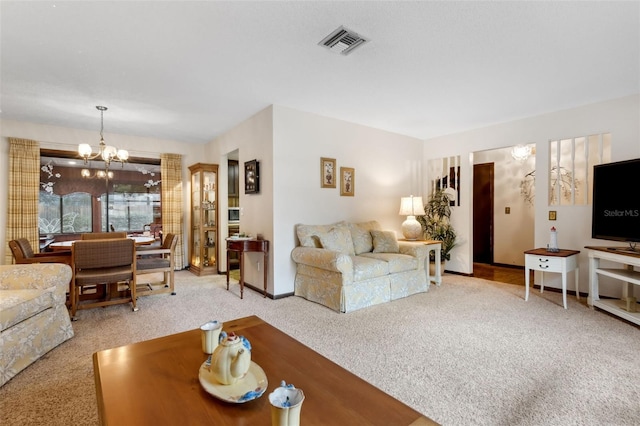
{"x": 233, "y": 218}
{"x": 483, "y": 194}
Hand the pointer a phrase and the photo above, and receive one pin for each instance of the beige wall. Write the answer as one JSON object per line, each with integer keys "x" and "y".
{"x": 253, "y": 138}
{"x": 620, "y": 117}
{"x": 387, "y": 167}
{"x": 289, "y": 144}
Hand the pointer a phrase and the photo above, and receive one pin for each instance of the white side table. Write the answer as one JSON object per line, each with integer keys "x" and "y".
{"x": 432, "y": 245}
{"x": 436, "y": 247}
{"x": 562, "y": 262}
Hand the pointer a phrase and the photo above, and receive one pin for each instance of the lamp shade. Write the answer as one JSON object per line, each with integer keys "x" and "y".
{"x": 411, "y": 206}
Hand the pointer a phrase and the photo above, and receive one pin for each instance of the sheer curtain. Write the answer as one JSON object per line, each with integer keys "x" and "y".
{"x": 172, "y": 203}
{"x": 24, "y": 189}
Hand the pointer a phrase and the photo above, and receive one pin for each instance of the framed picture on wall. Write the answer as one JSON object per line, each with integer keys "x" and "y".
{"x": 327, "y": 172}
{"x": 251, "y": 177}
{"x": 347, "y": 181}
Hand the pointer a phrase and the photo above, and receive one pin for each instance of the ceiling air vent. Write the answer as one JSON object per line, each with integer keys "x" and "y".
{"x": 343, "y": 41}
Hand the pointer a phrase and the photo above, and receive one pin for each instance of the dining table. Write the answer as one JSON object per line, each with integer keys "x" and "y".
{"x": 66, "y": 245}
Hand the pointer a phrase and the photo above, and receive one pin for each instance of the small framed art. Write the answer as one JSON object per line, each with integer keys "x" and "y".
{"x": 552, "y": 215}
{"x": 251, "y": 177}
{"x": 327, "y": 172}
{"x": 347, "y": 181}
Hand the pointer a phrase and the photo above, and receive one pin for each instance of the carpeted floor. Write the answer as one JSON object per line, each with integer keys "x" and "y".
{"x": 468, "y": 352}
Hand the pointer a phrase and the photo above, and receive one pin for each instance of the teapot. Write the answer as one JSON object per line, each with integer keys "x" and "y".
{"x": 230, "y": 361}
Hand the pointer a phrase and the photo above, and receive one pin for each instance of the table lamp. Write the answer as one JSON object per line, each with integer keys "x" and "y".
{"x": 410, "y": 207}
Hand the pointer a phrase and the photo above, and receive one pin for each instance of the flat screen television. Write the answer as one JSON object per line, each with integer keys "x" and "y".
{"x": 616, "y": 202}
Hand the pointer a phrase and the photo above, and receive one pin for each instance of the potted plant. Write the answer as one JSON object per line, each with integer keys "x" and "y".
{"x": 436, "y": 223}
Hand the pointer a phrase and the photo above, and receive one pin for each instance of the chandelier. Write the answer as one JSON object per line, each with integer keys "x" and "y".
{"x": 100, "y": 174}
{"x": 108, "y": 153}
{"x": 521, "y": 152}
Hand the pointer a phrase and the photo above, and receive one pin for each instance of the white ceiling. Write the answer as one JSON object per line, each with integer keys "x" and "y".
{"x": 190, "y": 71}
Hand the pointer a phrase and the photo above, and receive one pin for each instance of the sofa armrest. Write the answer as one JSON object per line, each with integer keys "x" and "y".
{"x": 323, "y": 259}
{"x": 35, "y": 276}
{"x": 415, "y": 249}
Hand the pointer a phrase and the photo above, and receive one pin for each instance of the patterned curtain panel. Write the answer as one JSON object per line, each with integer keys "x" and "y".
{"x": 171, "y": 172}
{"x": 24, "y": 189}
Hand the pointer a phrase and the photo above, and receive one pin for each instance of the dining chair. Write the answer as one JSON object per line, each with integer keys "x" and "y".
{"x": 161, "y": 259}
{"x": 102, "y": 262}
{"x": 23, "y": 253}
{"x": 102, "y": 235}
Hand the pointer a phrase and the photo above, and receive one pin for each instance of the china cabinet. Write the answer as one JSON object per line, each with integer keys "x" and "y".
{"x": 203, "y": 242}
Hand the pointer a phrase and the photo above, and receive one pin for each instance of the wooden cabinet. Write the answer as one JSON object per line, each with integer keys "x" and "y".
{"x": 203, "y": 242}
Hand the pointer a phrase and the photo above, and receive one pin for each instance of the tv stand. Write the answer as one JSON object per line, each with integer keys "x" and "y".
{"x": 627, "y": 250}
{"x": 627, "y": 307}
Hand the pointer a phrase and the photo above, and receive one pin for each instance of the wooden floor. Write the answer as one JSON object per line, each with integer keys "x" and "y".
{"x": 503, "y": 274}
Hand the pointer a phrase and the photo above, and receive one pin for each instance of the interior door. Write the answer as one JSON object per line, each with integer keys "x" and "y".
{"x": 483, "y": 213}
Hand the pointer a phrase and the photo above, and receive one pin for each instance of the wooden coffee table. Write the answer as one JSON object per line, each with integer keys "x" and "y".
{"x": 156, "y": 382}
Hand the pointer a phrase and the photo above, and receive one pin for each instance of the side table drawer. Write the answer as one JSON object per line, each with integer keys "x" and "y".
{"x": 543, "y": 263}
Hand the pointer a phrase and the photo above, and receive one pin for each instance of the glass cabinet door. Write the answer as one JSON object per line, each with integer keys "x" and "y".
{"x": 209, "y": 218}
{"x": 204, "y": 221}
{"x": 195, "y": 219}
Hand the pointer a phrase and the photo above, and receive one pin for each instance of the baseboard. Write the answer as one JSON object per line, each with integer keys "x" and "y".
{"x": 559, "y": 290}
{"x": 506, "y": 265}
{"x": 269, "y": 295}
{"x": 458, "y": 273}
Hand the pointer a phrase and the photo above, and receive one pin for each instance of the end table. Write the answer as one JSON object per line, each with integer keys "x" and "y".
{"x": 562, "y": 261}
{"x": 242, "y": 245}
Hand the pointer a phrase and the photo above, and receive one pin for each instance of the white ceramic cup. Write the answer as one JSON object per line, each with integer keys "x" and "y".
{"x": 210, "y": 333}
{"x": 286, "y": 403}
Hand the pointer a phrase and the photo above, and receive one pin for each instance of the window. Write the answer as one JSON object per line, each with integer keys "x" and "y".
{"x": 571, "y": 164}
{"x": 64, "y": 214}
{"x": 130, "y": 211}
{"x": 73, "y": 202}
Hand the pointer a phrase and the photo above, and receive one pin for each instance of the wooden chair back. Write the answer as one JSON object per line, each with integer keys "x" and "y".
{"x": 103, "y": 235}
{"x": 103, "y": 261}
{"x": 159, "y": 260}
{"x": 23, "y": 253}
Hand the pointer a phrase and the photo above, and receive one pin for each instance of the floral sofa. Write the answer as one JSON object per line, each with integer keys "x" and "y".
{"x": 33, "y": 315}
{"x": 349, "y": 266}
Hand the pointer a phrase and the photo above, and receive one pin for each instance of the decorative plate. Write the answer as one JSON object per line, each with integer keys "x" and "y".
{"x": 250, "y": 387}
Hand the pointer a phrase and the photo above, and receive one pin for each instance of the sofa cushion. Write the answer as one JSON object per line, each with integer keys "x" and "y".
{"x": 337, "y": 239}
{"x": 384, "y": 242}
{"x": 18, "y": 305}
{"x": 361, "y": 235}
{"x": 395, "y": 261}
{"x": 365, "y": 268}
{"x": 309, "y": 234}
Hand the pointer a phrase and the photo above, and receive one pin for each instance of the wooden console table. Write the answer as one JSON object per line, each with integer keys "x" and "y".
{"x": 248, "y": 245}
